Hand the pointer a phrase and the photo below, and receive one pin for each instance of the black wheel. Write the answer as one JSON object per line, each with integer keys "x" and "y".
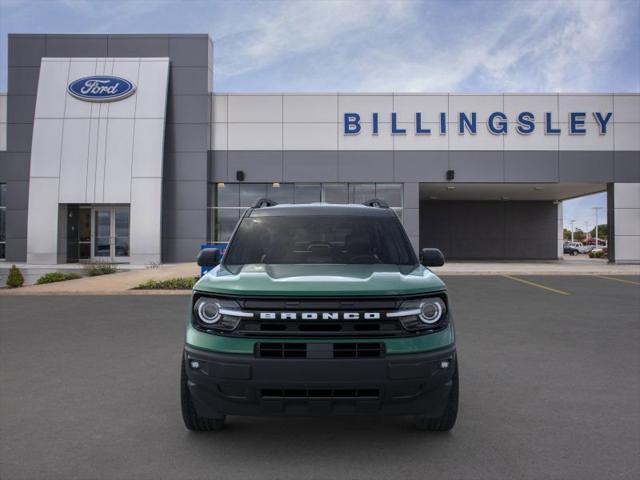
{"x": 448, "y": 418}
{"x": 574, "y": 253}
{"x": 191, "y": 419}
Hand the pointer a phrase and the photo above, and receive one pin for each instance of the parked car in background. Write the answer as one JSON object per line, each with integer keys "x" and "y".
{"x": 586, "y": 248}
{"x": 570, "y": 248}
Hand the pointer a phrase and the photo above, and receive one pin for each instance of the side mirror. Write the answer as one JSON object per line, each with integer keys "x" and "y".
{"x": 209, "y": 257}
{"x": 431, "y": 257}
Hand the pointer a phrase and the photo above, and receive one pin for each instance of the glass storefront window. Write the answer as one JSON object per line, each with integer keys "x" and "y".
{"x": 335, "y": 193}
{"x": 390, "y": 193}
{"x": 307, "y": 193}
{"x": 228, "y": 201}
{"x": 361, "y": 192}
{"x": 250, "y": 192}
{"x": 280, "y": 192}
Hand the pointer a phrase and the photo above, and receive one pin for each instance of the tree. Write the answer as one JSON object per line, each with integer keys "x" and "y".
{"x": 603, "y": 231}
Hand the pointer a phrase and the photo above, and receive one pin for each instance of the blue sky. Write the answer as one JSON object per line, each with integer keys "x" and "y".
{"x": 370, "y": 45}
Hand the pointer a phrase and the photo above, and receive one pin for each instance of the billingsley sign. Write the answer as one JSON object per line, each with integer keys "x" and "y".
{"x": 497, "y": 123}
{"x": 101, "y": 88}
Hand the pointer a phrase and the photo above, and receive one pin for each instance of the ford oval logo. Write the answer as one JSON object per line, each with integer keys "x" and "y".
{"x": 101, "y": 88}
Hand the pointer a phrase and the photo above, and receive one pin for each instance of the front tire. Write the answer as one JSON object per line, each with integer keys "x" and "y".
{"x": 447, "y": 420}
{"x": 192, "y": 420}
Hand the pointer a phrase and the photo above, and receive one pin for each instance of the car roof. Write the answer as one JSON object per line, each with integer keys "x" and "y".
{"x": 320, "y": 209}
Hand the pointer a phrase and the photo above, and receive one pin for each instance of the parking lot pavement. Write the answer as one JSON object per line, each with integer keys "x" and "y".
{"x": 549, "y": 389}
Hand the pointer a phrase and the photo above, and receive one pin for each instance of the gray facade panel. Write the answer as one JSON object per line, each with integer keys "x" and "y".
{"x": 187, "y": 137}
{"x": 22, "y": 108}
{"x": 138, "y": 46}
{"x": 428, "y": 166}
{"x": 26, "y": 50}
{"x": 218, "y": 165}
{"x": 258, "y": 165}
{"x": 15, "y": 167}
{"x": 477, "y": 166}
{"x": 19, "y": 137}
{"x": 188, "y": 80}
{"x": 186, "y": 224}
{"x": 76, "y": 46}
{"x": 185, "y": 166}
{"x": 23, "y": 80}
{"x": 185, "y": 195}
{"x": 531, "y": 166}
{"x": 189, "y": 51}
{"x": 17, "y": 196}
{"x": 626, "y": 166}
{"x": 490, "y": 230}
{"x": 365, "y": 166}
{"x": 16, "y": 249}
{"x": 188, "y": 109}
{"x": 16, "y": 224}
{"x": 310, "y": 166}
{"x": 586, "y": 166}
{"x": 181, "y": 249}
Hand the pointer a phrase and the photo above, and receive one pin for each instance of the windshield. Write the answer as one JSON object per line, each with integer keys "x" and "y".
{"x": 334, "y": 239}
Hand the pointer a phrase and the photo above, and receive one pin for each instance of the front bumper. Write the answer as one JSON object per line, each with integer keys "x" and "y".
{"x": 407, "y": 384}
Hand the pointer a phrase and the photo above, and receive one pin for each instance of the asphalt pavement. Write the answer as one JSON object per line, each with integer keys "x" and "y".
{"x": 550, "y": 389}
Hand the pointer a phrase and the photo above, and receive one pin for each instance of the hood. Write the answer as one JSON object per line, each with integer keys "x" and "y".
{"x": 320, "y": 280}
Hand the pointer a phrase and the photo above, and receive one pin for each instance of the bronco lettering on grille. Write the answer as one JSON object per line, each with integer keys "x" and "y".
{"x": 320, "y": 316}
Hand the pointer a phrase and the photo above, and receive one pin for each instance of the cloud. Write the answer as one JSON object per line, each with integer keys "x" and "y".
{"x": 416, "y": 46}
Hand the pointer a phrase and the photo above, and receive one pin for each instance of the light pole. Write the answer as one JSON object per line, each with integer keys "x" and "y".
{"x": 596, "y": 209}
{"x": 572, "y": 222}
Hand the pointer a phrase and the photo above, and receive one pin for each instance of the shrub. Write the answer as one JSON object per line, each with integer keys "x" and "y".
{"x": 15, "y": 278}
{"x": 52, "y": 277}
{"x": 180, "y": 283}
{"x": 596, "y": 254}
{"x": 96, "y": 269}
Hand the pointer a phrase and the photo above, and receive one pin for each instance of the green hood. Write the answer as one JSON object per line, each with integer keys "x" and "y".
{"x": 320, "y": 280}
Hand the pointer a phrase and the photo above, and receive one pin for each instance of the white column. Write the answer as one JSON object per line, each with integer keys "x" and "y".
{"x": 626, "y": 222}
{"x": 560, "y": 236}
{"x": 411, "y": 213}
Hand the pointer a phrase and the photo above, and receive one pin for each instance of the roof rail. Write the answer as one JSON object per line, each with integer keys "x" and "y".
{"x": 376, "y": 202}
{"x": 264, "y": 202}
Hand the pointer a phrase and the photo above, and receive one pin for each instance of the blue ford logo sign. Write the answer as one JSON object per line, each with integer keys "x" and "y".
{"x": 101, "y": 88}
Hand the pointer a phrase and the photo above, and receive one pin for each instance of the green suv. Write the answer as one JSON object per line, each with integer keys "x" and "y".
{"x": 319, "y": 309}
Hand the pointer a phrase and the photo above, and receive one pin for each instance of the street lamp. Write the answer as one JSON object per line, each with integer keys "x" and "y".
{"x": 596, "y": 210}
{"x": 572, "y": 222}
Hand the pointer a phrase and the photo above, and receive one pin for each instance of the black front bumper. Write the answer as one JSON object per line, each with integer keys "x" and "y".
{"x": 231, "y": 384}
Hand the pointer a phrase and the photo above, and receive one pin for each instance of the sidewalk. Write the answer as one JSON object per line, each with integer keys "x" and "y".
{"x": 569, "y": 266}
{"x": 115, "y": 283}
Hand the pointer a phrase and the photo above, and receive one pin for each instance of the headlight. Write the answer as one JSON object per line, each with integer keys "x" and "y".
{"x": 421, "y": 314}
{"x": 431, "y": 310}
{"x": 217, "y": 313}
{"x": 207, "y": 310}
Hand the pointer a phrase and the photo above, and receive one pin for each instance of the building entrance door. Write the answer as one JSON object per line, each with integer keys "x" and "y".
{"x": 110, "y": 239}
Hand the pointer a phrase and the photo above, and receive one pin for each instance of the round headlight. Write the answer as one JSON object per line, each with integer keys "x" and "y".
{"x": 208, "y": 311}
{"x": 431, "y": 310}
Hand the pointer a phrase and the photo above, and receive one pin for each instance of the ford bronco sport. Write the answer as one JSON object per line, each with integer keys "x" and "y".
{"x": 319, "y": 309}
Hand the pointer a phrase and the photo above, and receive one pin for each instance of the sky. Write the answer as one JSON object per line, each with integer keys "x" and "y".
{"x": 378, "y": 45}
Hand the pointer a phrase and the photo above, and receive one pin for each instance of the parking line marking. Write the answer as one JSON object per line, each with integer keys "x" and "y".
{"x": 618, "y": 279}
{"x": 534, "y": 284}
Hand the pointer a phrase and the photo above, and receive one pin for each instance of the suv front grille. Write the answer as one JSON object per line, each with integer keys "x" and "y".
{"x": 329, "y": 393}
{"x": 320, "y": 350}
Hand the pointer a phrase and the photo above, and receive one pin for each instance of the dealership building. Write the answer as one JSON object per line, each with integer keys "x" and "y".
{"x": 118, "y": 148}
